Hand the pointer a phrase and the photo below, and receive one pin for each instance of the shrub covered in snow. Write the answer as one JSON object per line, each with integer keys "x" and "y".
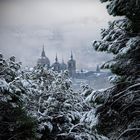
{"x": 60, "y": 111}
{"x": 15, "y": 124}
{"x": 43, "y": 105}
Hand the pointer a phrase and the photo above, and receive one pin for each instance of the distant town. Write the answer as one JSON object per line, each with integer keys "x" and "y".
{"x": 97, "y": 78}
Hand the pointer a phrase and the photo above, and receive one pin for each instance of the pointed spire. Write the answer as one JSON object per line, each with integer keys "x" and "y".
{"x": 56, "y": 59}
{"x": 71, "y": 55}
{"x": 43, "y": 52}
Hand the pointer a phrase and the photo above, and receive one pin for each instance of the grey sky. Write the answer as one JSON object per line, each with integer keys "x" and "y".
{"x": 61, "y": 25}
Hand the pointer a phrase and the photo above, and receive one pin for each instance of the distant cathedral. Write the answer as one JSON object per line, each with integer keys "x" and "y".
{"x": 44, "y": 61}
{"x": 56, "y": 66}
{"x": 72, "y": 66}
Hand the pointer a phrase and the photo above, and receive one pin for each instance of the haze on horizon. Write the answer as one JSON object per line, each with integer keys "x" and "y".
{"x": 62, "y": 26}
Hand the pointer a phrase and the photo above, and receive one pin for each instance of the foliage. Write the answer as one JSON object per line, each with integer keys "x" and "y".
{"x": 60, "y": 111}
{"x": 119, "y": 113}
{"x": 37, "y": 103}
{"x": 15, "y": 124}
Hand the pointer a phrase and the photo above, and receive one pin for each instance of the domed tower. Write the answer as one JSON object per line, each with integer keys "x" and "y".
{"x": 72, "y": 66}
{"x": 63, "y": 65}
{"x": 43, "y": 60}
{"x": 56, "y": 66}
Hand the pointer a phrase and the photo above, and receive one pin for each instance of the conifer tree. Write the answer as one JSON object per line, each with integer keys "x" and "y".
{"x": 119, "y": 115}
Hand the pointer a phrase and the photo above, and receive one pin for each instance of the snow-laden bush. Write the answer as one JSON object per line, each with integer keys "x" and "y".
{"x": 56, "y": 106}
{"x": 94, "y": 99}
{"x": 14, "y": 122}
{"x": 47, "y": 97}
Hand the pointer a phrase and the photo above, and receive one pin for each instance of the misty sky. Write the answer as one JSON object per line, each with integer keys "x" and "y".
{"x": 61, "y": 25}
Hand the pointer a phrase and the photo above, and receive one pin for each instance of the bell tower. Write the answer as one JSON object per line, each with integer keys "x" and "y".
{"x": 72, "y": 66}
{"x": 43, "y": 60}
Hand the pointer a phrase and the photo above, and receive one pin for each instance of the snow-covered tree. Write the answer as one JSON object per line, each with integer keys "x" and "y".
{"x": 43, "y": 105}
{"x": 15, "y": 124}
{"x": 57, "y": 108}
{"x": 119, "y": 114}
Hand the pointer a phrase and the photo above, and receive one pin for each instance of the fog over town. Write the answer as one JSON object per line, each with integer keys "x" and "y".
{"x": 62, "y": 26}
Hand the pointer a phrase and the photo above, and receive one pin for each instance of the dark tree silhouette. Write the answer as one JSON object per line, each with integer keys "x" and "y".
{"x": 119, "y": 115}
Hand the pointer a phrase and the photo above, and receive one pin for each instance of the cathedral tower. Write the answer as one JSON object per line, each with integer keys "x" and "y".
{"x": 72, "y": 66}
{"x": 43, "y": 60}
{"x": 63, "y": 65}
{"x": 56, "y": 66}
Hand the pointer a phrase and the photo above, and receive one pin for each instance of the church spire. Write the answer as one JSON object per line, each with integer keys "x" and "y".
{"x": 71, "y": 55}
{"x": 56, "y": 59}
{"x": 43, "y": 52}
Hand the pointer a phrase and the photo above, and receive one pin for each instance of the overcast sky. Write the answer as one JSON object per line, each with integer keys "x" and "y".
{"x": 61, "y": 25}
